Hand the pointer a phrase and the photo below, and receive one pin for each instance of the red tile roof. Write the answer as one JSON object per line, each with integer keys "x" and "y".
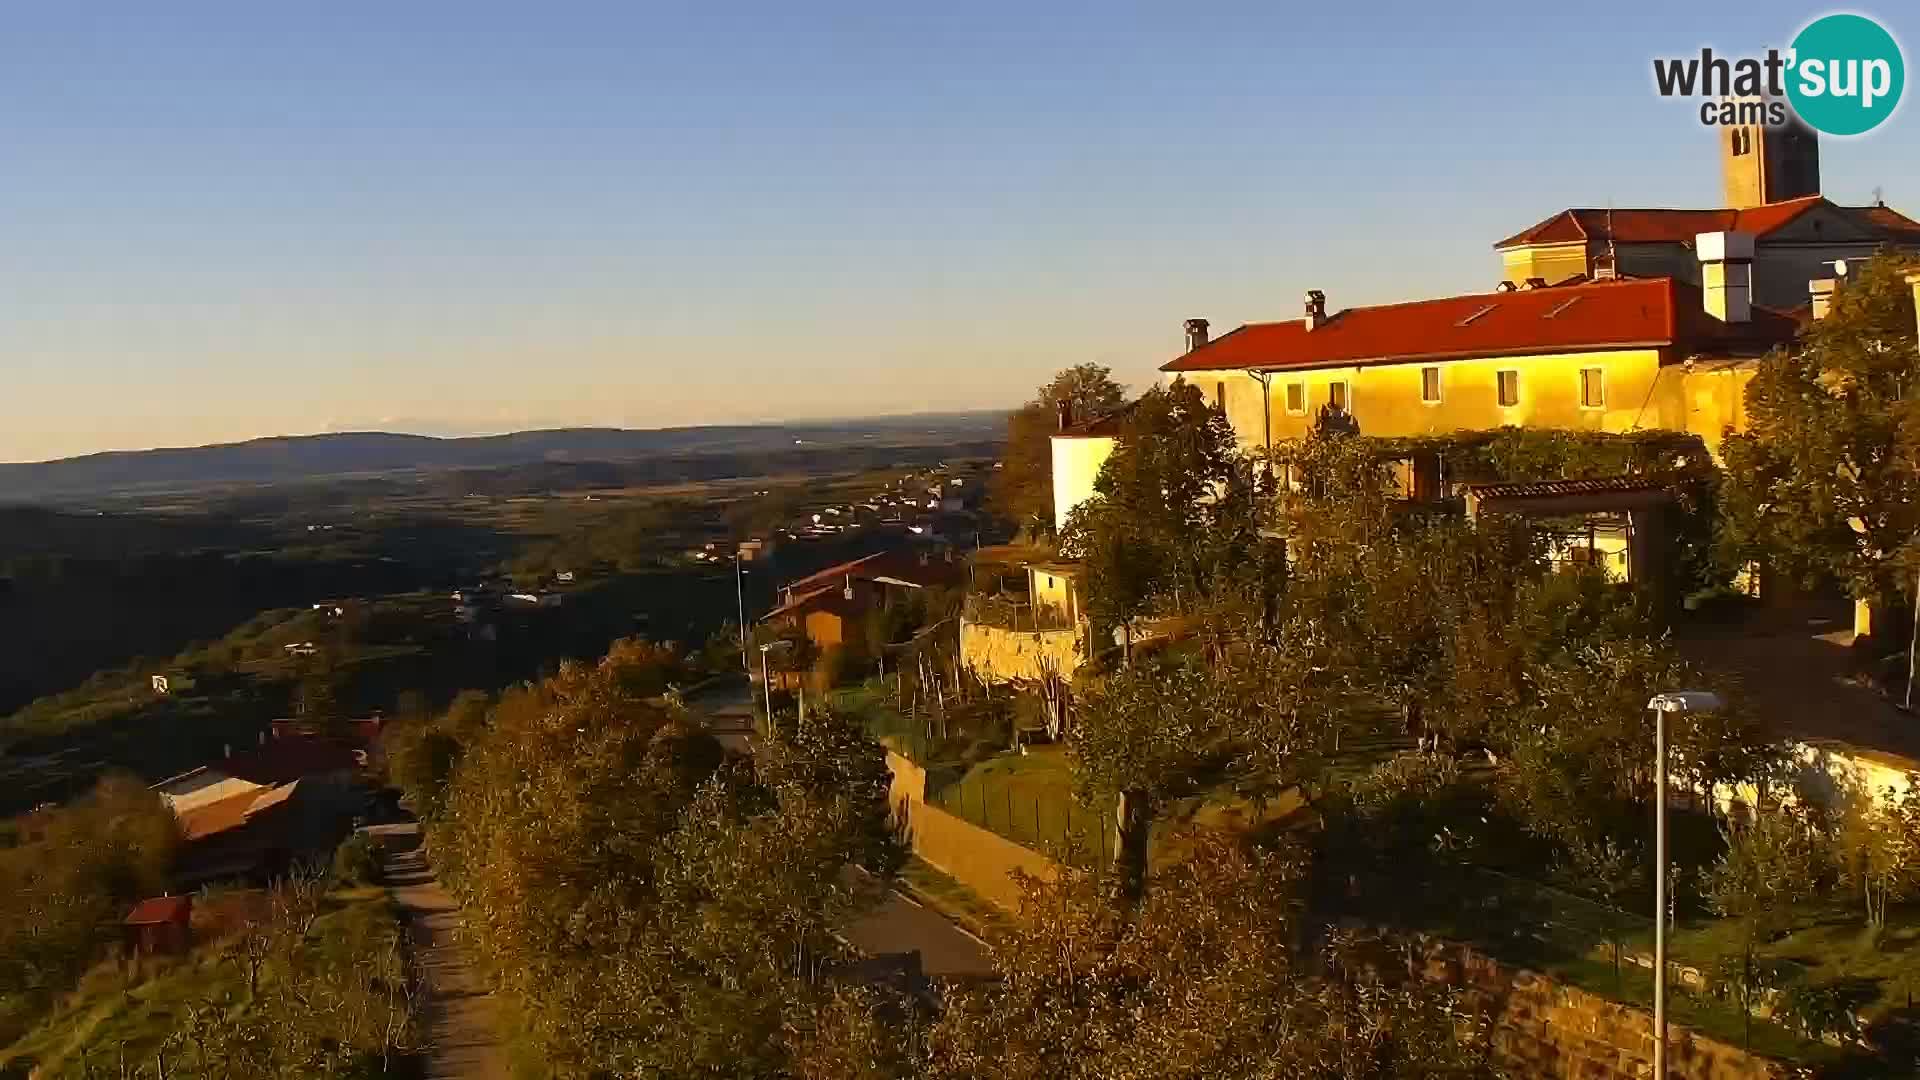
{"x": 1594, "y": 316}
{"x": 1667, "y": 226}
{"x": 288, "y": 759}
{"x": 160, "y": 909}
{"x": 900, "y": 565}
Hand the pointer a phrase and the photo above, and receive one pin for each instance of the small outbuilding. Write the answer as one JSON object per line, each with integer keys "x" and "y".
{"x": 162, "y": 925}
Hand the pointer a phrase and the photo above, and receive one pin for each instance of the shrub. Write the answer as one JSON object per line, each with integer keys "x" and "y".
{"x": 357, "y": 860}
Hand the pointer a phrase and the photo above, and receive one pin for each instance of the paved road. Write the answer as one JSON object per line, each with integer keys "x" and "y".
{"x": 457, "y": 1012}
{"x": 897, "y": 923}
{"x": 728, "y": 712}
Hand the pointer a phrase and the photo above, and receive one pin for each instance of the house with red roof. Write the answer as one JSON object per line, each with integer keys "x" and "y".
{"x": 827, "y": 605}
{"x": 1612, "y": 320}
{"x": 252, "y": 813}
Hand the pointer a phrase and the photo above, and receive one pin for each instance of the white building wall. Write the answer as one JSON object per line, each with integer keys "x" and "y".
{"x": 1076, "y": 464}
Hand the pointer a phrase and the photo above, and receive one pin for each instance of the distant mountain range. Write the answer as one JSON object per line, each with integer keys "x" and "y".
{"x": 281, "y": 459}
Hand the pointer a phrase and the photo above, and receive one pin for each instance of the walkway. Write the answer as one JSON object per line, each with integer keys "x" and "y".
{"x": 457, "y": 1011}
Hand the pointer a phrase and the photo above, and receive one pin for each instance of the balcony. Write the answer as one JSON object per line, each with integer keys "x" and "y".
{"x": 1009, "y": 613}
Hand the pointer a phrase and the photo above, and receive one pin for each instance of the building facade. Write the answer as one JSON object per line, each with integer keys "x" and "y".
{"x": 1613, "y": 320}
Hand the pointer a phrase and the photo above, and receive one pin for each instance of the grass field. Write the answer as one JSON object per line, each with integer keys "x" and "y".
{"x": 123, "y": 1012}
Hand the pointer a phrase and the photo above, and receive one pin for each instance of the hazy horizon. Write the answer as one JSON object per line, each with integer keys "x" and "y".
{"x": 475, "y": 217}
{"x": 537, "y": 429}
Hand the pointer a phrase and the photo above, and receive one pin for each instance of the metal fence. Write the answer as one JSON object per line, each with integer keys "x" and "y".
{"x": 1052, "y": 824}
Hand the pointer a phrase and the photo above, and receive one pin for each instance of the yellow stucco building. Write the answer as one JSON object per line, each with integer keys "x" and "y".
{"x": 1611, "y": 320}
{"x": 1614, "y": 355}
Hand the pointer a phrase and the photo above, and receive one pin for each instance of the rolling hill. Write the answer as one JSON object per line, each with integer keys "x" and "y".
{"x": 279, "y": 459}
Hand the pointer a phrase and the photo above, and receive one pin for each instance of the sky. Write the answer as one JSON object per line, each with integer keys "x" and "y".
{"x": 226, "y": 220}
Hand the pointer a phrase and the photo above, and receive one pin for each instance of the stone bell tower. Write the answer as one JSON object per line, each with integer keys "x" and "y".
{"x": 1760, "y": 164}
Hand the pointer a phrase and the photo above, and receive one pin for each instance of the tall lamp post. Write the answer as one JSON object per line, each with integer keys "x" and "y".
{"x": 740, "y": 598}
{"x": 766, "y": 683}
{"x": 1679, "y": 701}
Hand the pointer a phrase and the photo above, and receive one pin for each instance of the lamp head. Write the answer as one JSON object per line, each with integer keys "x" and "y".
{"x": 1682, "y": 701}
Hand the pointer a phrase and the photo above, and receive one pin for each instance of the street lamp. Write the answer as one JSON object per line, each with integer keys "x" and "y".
{"x": 766, "y": 682}
{"x": 1679, "y": 701}
{"x": 740, "y": 598}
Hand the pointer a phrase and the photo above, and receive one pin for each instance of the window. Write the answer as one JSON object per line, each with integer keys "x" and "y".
{"x": 1220, "y": 396}
{"x": 1509, "y": 389}
{"x": 1593, "y": 388}
{"x": 1337, "y": 396}
{"x": 1430, "y": 385}
{"x": 1296, "y": 399}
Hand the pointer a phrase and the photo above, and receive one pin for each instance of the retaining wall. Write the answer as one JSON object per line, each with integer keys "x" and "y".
{"x": 1545, "y": 1028}
{"x": 998, "y": 655}
{"x": 980, "y": 859}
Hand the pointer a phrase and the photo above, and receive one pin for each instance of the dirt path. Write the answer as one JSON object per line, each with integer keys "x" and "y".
{"x": 457, "y": 1016}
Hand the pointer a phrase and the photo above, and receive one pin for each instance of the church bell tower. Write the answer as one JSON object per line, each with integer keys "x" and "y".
{"x": 1760, "y": 164}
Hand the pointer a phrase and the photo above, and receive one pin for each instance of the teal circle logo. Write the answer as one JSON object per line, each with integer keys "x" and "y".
{"x": 1845, "y": 75}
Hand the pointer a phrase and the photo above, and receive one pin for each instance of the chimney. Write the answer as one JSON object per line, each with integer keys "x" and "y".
{"x": 1064, "y": 410}
{"x": 1726, "y": 274}
{"x": 1196, "y": 333}
{"x": 1820, "y": 291}
{"x": 1316, "y": 309}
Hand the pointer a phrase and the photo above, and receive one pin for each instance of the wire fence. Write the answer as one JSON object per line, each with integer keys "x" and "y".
{"x": 1049, "y": 821}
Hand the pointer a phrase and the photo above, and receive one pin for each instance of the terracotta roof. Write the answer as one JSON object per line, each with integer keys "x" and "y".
{"x": 1675, "y": 226}
{"x": 288, "y": 759}
{"x": 902, "y": 565}
{"x": 218, "y": 817}
{"x": 1621, "y": 314}
{"x": 800, "y": 600}
{"x": 160, "y": 909}
{"x": 1894, "y": 222}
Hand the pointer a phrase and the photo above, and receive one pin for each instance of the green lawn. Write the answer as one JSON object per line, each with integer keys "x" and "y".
{"x": 1028, "y": 798}
{"x": 1570, "y": 938}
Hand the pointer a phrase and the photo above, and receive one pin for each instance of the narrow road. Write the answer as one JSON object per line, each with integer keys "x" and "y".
{"x": 457, "y": 1012}
{"x": 896, "y": 923}
{"x": 727, "y": 711}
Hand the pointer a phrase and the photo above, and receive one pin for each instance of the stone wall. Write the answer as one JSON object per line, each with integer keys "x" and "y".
{"x": 1545, "y": 1028}
{"x": 998, "y": 655}
{"x": 980, "y": 859}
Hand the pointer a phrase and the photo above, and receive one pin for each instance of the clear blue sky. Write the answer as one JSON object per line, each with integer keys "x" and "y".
{"x": 233, "y": 219}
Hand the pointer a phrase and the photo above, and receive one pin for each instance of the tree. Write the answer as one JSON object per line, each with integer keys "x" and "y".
{"x": 1878, "y": 846}
{"x": 1825, "y": 482}
{"x": 1153, "y": 733}
{"x": 664, "y": 908}
{"x": 1207, "y": 979}
{"x": 1173, "y": 510}
{"x": 1773, "y": 863}
{"x": 1022, "y": 489}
